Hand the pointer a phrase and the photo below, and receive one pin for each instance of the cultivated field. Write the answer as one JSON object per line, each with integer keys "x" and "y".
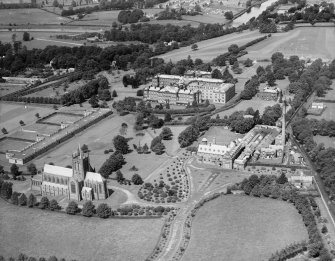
{"x": 211, "y": 48}
{"x": 327, "y": 114}
{"x": 7, "y": 88}
{"x": 29, "y": 16}
{"x": 206, "y": 18}
{"x": 307, "y": 42}
{"x": 243, "y": 228}
{"x": 99, "y": 18}
{"x": 11, "y": 114}
{"x": 41, "y": 233}
{"x": 327, "y": 141}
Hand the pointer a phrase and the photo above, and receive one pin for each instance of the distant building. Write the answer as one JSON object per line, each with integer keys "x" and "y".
{"x": 78, "y": 183}
{"x": 269, "y": 93}
{"x": 199, "y": 74}
{"x": 301, "y": 179}
{"x": 316, "y": 108}
{"x": 214, "y": 90}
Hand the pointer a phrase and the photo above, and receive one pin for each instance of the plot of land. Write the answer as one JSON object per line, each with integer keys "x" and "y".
{"x": 39, "y": 233}
{"x": 243, "y": 228}
{"x": 11, "y": 114}
{"x": 222, "y": 136}
{"x": 7, "y": 88}
{"x": 45, "y": 129}
{"x": 327, "y": 141}
{"x": 328, "y": 114}
{"x": 210, "y": 49}
{"x": 206, "y": 18}
{"x": 60, "y": 117}
{"x": 29, "y": 16}
{"x": 307, "y": 42}
{"x": 99, "y": 18}
{"x": 13, "y": 145}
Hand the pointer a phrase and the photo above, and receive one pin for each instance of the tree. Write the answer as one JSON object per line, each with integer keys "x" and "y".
{"x": 14, "y": 170}
{"x": 282, "y": 179}
{"x": 216, "y": 74}
{"x": 121, "y": 144}
{"x": 159, "y": 148}
{"x": 88, "y": 209}
{"x": 324, "y": 229}
{"x": 15, "y": 198}
{"x": 229, "y": 15}
{"x": 84, "y": 148}
{"x": 167, "y": 117}
{"x": 194, "y": 47}
{"x": 55, "y": 3}
{"x": 119, "y": 176}
{"x": 73, "y": 4}
{"x": 32, "y": 169}
{"x": 26, "y": 36}
{"x": 37, "y": 115}
{"x": 44, "y": 203}
{"x": 271, "y": 79}
{"x": 137, "y": 180}
{"x": 23, "y": 200}
{"x": 54, "y": 205}
{"x": 166, "y": 133}
{"x": 248, "y": 63}
{"x": 104, "y": 211}
{"x": 31, "y": 201}
{"x": 4, "y": 131}
{"x": 72, "y": 208}
{"x": 155, "y": 141}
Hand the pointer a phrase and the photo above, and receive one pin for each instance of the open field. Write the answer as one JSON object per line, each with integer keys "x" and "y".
{"x": 58, "y": 118}
{"x": 308, "y": 42}
{"x": 206, "y": 18}
{"x": 41, "y": 39}
{"x": 212, "y": 48}
{"x": 13, "y": 145}
{"x": 7, "y": 88}
{"x": 327, "y": 141}
{"x": 29, "y": 16}
{"x": 330, "y": 95}
{"x": 11, "y": 114}
{"x": 243, "y": 228}
{"x": 99, "y": 18}
{"x": 327, "y": 114}
{"x": 41, "y": 233}
{"x": 256, "y": 103}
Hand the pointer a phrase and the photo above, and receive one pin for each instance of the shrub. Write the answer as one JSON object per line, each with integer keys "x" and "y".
{"x": 54, "y": 205}
{"x": 44, "y": 204}
{"x": 31, "y": 200}
{"x": 88, "y": 209}
{"x": 15, "y": 198}
{"x": 104, "y": 211}
{"x": 72, "y": 208}
{"x": 137, "y": 180}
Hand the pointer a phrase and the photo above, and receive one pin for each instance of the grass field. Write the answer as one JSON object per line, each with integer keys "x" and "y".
{"x": 41, "y": 39}
{"x": 330, "y": 95}
{"x": 99, "y": 18}
{"x": 327, "y": 141}
{"x": 211, "y": 48}
{"x": 205, "y": 18}
{"x": 308, "y": 42}
{"x": 40, "y": 233}
{"x": 29, "y": 16}
{"x": 221, "y": 135}
{"x": 327, "y": 114}
{"x": 16, "y": 145}
{"x": 243, "y": 228}
{"x": 11, "y": 114}
{"x": 58, "y": 118}
{"x": 7, "y": 88}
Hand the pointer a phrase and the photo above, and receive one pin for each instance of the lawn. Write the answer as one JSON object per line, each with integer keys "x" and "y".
{"x": 327, "y": 141}
{"x": 327, "y": 114}
{"x": 9, "y": 144}
{"x": 307, "y": 42}
{"x": 211, "y": 48}
{"x": 243, "y": 228}
{"x": 330, "y": 95}
{"x": 58, "y": 118}
{"x": 40, "y": 233}
{"x": 99, "y": 18}
{"x": 11, "y": 114}
{"x": 206, "y": 18}
{"x": 221, "y": 135}
{"x": 7, "y": 88}
{"x": 29, "y": 16}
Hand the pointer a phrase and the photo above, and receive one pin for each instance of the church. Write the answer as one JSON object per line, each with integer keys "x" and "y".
{"x": 78, "y": 183}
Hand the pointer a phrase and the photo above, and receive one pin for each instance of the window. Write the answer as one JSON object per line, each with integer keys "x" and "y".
{"x": 100, "y": 188}
{"x": 58, "y": 180}
{"x": 53, "y": 179}
{"x": 95, "y": 188}
{"x": 73, "y": 187}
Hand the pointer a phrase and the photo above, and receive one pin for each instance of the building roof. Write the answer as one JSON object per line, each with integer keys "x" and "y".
{"x": 213, "y": 149}
{"x": 56, "y": 170}
{"x": 94, "y": 177}
{"x": 270, "y": 89}
{"x": 170, "y": 89}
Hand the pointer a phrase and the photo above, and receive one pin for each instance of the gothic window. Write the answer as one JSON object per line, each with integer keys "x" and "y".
{"x": 49, "y": 178}
{"x": 58, "y": 180}
{"x": 73, "y": 187}
{"x": 66, "y": 182}
{"x": 53, "y": 179}
{"x": 62, "y": 181}
{"x": 95, "y": 188}
{"x": 100, "y": 188}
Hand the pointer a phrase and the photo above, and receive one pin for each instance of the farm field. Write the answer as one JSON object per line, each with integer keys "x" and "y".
{"x": 307, "y": 42}
{"x": 43, "y": 234}
{"x": 11, "y": 114}
{"x": 41, "y": 39}
{"x": 206, "y": 18}
{"x": 7, "y": 88}
{"x": 327, "y": 141}
{"x": 327, "y": 114}
{"x": 58, "y": 118}
{"x": 29, "y": 16}
{"x": 230, "y": 221}
{"x": 209, "y": 49}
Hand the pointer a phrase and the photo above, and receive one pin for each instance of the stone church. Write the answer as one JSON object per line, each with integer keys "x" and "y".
{"x": 78, "y": 183}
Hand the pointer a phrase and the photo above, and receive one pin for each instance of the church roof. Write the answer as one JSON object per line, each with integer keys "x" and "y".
{"x": 56, "y": 170}
{"x": 94, "y": 176}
